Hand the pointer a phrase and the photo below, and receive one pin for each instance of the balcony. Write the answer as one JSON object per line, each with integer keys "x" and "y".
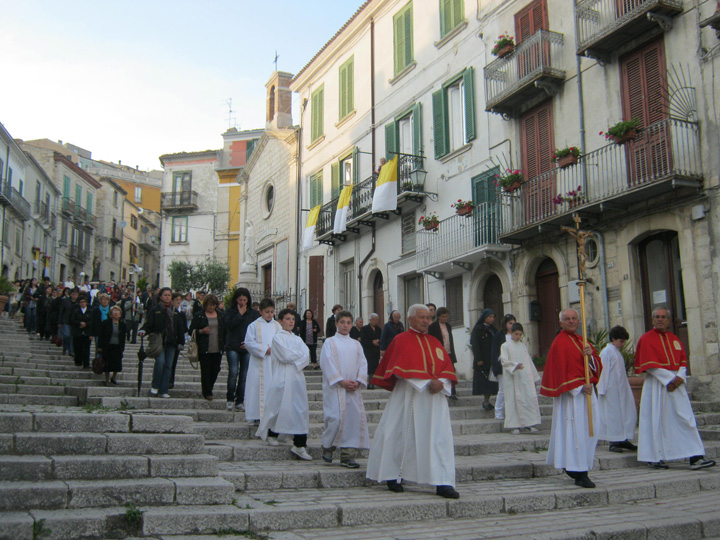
{"x": 663, "y": 159}
{"x": 77, "y": 254}
{"x": 42, "y": 211}
{"x": 11, "y": 196}
{"x": 82, "y": 217}
{"x": 459, "y": 240}
{"x": 607, "y": 27}
{"x": 116, "y": 235}
{"x": 526, "y": 76}
{"x": 178, "y": 201}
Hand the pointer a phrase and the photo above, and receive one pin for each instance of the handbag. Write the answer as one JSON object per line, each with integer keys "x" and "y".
{"x": 155, "y": 345}
{"x": 192, "y": 351}
{"x": 98, "y": 365}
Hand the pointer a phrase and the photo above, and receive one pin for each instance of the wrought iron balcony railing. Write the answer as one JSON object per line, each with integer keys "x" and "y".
{"x": 605, "y": 26}
{"x": 68, "y": 206}
{"x": 9, "y": 194}
{"x": 42, "y": 210}
{"x": 78, "y": 254}
{"x": 526, "y": 73}
{"x": 179, "y": 200}
{"x": 664, "y": 156}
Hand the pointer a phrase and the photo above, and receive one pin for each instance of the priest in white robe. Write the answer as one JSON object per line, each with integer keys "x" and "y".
{"x": 258, "y": 340}
{"x": 667, "y": 422}
{"x": 615, "y": 398}
{"x": 344, "y": 370}
{"x": 414, "y": 439}
{"x": 519, "y": 377}
{"x": 571, "y": 446}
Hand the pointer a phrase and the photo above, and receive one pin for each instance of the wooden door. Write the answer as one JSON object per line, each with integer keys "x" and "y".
{"x": 316, "y": 286}
{"x": 379, "y": 297}
{"x": 643, "y": 82}
{"x": 548, "y": 295}
{"x": 529, "y": 20}
{"x": 537, "y": 148}
{"x": 492, "y": 297}
{"x": 486, "y": 215}
{"x": 267, "y": 279}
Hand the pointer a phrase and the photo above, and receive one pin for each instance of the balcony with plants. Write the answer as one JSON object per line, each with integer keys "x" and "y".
{"x": 607, "y": 27}
{"x": 637, "y": 165}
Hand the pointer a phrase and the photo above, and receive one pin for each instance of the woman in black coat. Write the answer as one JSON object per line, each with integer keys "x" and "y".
{"x": 238, "y": 316}
{"x": 159, "y": 320}
{"x": 111, "y": 344}
{"x": 370, "y": 340}
{"x": 442, "y": 331}
{"x": 81, "y": 328}
{"x": 309, "y": 330}
{"x": 210, "y": 337}
{"x": 180, "y": 325}
{"x": 481, "y": 342}
{"x": 496, "y": 366}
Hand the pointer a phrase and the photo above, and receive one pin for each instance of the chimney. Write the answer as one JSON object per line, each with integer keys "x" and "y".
{"x": 279, "y": 100}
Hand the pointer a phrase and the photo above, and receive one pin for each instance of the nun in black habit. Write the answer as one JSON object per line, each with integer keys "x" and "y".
{"x": 481, "y": 341}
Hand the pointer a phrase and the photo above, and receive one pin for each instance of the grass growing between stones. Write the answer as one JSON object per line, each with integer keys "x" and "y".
{"x": 95, "y": 408}
{"x": 39, "y": 530}
{"x": 133, "y": 514}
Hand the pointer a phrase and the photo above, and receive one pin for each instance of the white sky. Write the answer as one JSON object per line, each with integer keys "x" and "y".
{"x": 133, "y": 80}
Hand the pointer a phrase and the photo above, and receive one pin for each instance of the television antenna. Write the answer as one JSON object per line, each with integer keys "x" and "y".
{"x": 232, "y": 120}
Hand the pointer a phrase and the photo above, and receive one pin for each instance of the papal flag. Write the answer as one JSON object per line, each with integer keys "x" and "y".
{"x": 310, "y": 227}
{"x": 342, "y": 210}
{"x": 385, "y": 197}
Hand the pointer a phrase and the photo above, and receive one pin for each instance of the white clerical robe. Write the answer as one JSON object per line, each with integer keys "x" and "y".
{"x": 342, "y": 359}
{"x": 571, "y": 446}
{"x": 521, "y": 402}
{"x": 615, "y": 398}
{"x": 414, "y": 439}
{"x": 667, "y": 423}
{"x": 258, "y": 338}
{"x": 286, "y": 404}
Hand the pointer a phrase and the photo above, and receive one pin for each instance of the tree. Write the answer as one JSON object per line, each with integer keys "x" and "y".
{"x": 210, "y": 274}
{"x": 180, "y": 275}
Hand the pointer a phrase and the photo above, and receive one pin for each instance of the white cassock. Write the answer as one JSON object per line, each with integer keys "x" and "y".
{"x": 571, "y": 447}
{"x": 615, "y": 398}
{"x": 667, "y": 423}
{"x": 414, "y": 439}
{"x": 342, "y": 359}
{"x": 521, "y": 402}
{"x": 258, "y": 338}
{"x": 286, "y": 405}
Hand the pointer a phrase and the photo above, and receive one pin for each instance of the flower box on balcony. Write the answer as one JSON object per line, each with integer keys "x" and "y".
{"x": 512, "y": 187}
{"x": 507, "y": 49}
{"x": 622, "y": 132}
{"x": 429, "y": 222}
{"x": 566, "y": 161}
{"x": 467, "y": 211}
{"x": 431, "y": 226}
{"x": 630, "y": 135}
{"x": 463, "y": 208}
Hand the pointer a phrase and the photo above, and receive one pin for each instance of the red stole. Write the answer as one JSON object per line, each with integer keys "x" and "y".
{"x": 565, "y": 368}
{"x": 412, "y": 355}
{"x": 656, "y": 349}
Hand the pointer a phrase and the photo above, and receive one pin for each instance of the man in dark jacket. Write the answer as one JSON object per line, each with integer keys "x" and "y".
{"x": 66, "y": 309}
{"x": 370, "y": 341}
{"x": 481, "y": 340}
{"x": 81, "y": 322}
{"x": 292, "y": 306}
{"x": 330, "y": 327}
{"x": 391, "y": 329}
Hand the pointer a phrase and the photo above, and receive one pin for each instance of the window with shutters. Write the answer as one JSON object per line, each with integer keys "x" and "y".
{"x": 454, "y": 113}
{"x": 454, "y": 300}
{"x": 537, "y": 149}
{"x": 413, "y": 291}
{"x": 349, "y": 285}
{"x": 317, "y": 114}
{"x": 347, "y": 96}
{"x": 408, "y": 232}
{"x": 78, "y": 195}
{"x": 179, "y": 229}
{"x": 89, "y": 203}
{"x": 316, "y": 189}
{"x": 18, "y": 241}
{"x": 182, "y": 182}
{"x": 530, "y": 19}
{"x": 138, "y": 195}
{"x": 403, "y": 37}
{"x": 485, "y": 195}
{"x": 133, "y": 221}
{"x": 452, "y": 13}
{"x": 404, "y": 134}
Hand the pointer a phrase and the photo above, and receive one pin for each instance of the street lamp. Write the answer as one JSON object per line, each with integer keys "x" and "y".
{"x": 418, "y": 175}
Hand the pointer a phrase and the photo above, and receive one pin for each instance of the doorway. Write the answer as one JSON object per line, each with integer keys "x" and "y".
{"x": 379, "y": 297}
{"x": 316, "y": 286}
{"x": 548, "y": 294}
{"x": 492, "y": 297}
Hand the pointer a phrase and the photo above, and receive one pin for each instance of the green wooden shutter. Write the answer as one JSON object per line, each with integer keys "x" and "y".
{"x": 356, "y": 164}
{"x": 334, "y": 180}
{"x": 398, "y": 42}
{"x": 317, "y": 114}
{"x": 408, "y": 35}
{"x": 468, "y": 77}
{"x": 458, "y": 12}
{"x": 89, "y": 199}
{"x": 66, "y": 187}
{"x": 349, "y": 90}
{"x": 445, "y": 16}
{"x": 417, "y": 129}
{"x": 440, "y": 123}
{"x": 390, "y": 140}
{"x": 78, "y": 195}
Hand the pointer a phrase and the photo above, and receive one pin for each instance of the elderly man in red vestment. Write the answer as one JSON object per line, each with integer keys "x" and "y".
{"x": 414, "y": 439}
{"x": 667, "y": 423}
{"x": 571, "y": 447}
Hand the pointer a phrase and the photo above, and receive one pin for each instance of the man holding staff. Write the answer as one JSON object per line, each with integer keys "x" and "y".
{"x": 572, "y": 448}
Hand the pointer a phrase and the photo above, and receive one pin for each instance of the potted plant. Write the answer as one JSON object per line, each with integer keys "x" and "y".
{"x": 574, "y": 197}
{"x": 636, "y": 381}
{"x": 463, "y": 208}
{"x": 407, "y": 186}
{"x": 539, "y": 362}
{"x": 504, "y": 45}
{"x": 622, "y": 132}
{"x": 567, "y": 156}
{"x": 430, "y": 222}
{"x": 5, "y": 289}
{"x": 510, "y": 181}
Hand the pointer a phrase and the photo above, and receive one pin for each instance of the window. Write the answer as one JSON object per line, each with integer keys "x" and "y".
{"x": 249, "y": 147}
{"x": 64, "y": 233}
{"x": 115, "y": 199}
{"x": 133, "y": 221}
{"x": 18, "y": 241}
{"x": 403, "y": 37}
{"x": 179, "y": 229}
{"x": 89, "y": 203}
{"x": 408, "y": 232}
{"x": 348, "y": 284}
{"x": 316, "y": 189}
{"x": 530, "y": 19}
{"x": 38, "y": 192}
{"x": 182, "y": 181}
{"x": 269, "y": 198}
{"x": 343, "y": 173}
{"x": 404, "y": 134}
{"x": 66, "y": 187}
{"x": 452, "y": 13}
{"x": 21, "y": 187}
{"x": 537, "y": 145}
{"x": 454, "y": 113}
{"x": 9, "y": 179}
{"x": 112, "y": 252}
{"x": 78, "y": 195}
{"x": 133, "y": 252}
{"x": 6, "y": 232}
{"x": 347, "y": 94}
{"x": 138, "y": 195}
{"x": 454, "y": 300}
{"x": 413, "y": 291}
{"x": 317, "y": 115}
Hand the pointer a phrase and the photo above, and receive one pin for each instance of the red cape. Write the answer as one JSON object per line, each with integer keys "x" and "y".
{"x": 412, "y": 355}
{"x": 657, "y": 349}
{"x": 565, "y": 368}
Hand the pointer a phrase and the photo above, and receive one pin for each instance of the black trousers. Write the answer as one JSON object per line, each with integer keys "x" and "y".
{"x": 313, "y": 353}
{"x": 81, "y": 344}
{"x": 174, "y": 366}
{"x": 209, "y": 370}
{"x": 300, "y": 441}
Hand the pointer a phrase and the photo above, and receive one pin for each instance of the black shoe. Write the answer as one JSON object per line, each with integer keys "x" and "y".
{"x": 447, "y": 491}
{"x": 698, "y": 463}
{"x": 627, "y": 445}
{"x": 395, "y": 486}
{"x": 371, "y": 387}
{"x": 171, "y": 386}
{"x": 114, "y": 382}
{"x": 350, "y": 464}
{"x": 488, "y": 406}
{"x": 327, "y": 456}
{"x": 659, "y": 465}
{"x": 583, "y": 480}
{"x": 571, "y": 474}
{"x": 453, "y": 397}
{"x": 615, "y": 447}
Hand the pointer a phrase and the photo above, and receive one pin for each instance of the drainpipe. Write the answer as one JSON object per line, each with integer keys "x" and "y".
{"x": 603, "y": 279}
{"x": 298, "y": 221}
{"x": 581, "y": 105}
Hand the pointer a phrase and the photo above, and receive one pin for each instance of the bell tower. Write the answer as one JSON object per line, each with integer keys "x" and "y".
{"x": 279, "y": 101}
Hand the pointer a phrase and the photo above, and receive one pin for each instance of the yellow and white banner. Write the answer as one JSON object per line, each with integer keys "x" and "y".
{"x": 310, "y": 227}
{"x": 342, "y": 210}
{"x": 385, "y": 197}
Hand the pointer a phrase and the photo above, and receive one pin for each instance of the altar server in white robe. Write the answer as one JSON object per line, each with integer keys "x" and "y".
{"x": 615, "y": 397}
{"x": 571, "y": 446}
{"x": 522, "y": 411}
{"x": 667, "y": 423}
{"x": 414, "y": 439}
{"x": 286, "y": 407}
{"x": 344, "y": 370}
{"x": 258, "y": 339}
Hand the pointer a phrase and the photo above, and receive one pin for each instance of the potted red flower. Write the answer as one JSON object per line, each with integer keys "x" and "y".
{"x": 510, "y": 181}
{"x": 504, "y": 45}
{"x": 463, "y": 208}
{"x": 430, "y": 222}
{"x": 567, "y": 156}
{"x": 622, "y": 132}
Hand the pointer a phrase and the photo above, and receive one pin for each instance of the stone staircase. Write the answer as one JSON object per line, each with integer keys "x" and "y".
{"x": 81, "y": 460}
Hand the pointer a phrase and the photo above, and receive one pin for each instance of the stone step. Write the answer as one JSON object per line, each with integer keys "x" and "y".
{"x": 81, "y": 422}
{"x": 31, "y": 389}
{"x": 29, "y": 399}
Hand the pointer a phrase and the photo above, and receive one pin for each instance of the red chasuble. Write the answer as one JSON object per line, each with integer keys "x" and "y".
{"x": 656, "y": 349}
{"x": 412, "y": 355}
{"x": 565, "y": 368}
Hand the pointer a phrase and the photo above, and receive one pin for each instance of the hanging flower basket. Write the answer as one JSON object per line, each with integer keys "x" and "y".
{"x": 622, "y": 132}
{"x": 430, "y": 222}
{"x": 512, "y": 187}
{"x": 504, "y": 45}
{"x": 566, "y": 161}
{"x": 431, "y": 226}
{"x": 463, "y": 208}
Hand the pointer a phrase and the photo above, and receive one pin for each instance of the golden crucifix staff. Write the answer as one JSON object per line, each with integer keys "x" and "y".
{"x": 580, "y": 237}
